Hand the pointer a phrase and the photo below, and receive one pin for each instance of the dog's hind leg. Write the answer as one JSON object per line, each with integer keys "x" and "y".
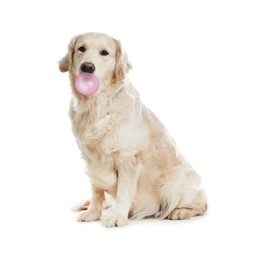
{"x": 196, "y": 208}
{"x": 181, "y": 195}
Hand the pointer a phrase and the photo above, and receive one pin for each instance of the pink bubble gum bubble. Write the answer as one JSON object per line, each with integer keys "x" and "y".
{"x": 87, "y": 84}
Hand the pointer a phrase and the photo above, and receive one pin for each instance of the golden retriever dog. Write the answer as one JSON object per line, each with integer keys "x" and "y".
{"x": 128, "y": 152}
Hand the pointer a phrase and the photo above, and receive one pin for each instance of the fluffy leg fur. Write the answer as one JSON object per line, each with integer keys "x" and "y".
{"x": 129, "y": 170}
{"x": 95, "y": 208}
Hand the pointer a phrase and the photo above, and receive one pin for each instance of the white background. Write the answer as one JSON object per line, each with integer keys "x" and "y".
{"x": 193, "y": 66}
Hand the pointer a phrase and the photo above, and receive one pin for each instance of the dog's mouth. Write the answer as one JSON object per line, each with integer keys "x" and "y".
{"x": 87, "y": 83}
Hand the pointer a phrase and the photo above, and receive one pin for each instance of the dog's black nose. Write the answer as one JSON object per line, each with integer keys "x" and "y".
{"x": 87, "y": 67}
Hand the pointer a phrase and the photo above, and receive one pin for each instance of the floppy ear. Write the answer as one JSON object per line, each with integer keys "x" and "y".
{"x": 122, "y": 63}
{"x": 66, "y": 62}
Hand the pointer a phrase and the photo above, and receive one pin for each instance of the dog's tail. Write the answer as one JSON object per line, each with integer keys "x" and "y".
{"x": 109, "y": 203}
{"x": 83, "y": 206}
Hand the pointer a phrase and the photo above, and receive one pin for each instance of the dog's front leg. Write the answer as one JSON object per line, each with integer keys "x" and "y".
{"x": 94, "y": 210}
{"x": 128, "y": 173}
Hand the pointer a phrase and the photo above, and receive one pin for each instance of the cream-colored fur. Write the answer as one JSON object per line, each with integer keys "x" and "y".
{"x": 129, "y": 153}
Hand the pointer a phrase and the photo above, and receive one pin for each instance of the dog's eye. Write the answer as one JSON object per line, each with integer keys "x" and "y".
{"x": 82, "y": 49}
{"x": 104, "y": 53}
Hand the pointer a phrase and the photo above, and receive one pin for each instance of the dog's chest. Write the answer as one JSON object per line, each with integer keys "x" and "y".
{"x": 93, "y": 131}
{"x": 108, "y": 132}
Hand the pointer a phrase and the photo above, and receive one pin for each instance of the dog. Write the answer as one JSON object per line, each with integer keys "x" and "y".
{"x": 129, "y": 153}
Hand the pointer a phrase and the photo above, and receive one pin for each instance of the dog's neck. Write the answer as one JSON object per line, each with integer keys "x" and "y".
{"x": 103, "y": 97}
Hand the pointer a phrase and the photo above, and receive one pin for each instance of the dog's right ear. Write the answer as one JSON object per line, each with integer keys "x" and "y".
{"x": 66, "y": 62}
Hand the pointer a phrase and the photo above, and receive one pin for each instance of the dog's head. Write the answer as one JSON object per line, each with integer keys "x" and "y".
{"x": 96, "y": 53}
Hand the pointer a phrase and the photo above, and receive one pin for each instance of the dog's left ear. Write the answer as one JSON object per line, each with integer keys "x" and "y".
{"x": 122, "y": 63}
{"x": 66, "y": 62}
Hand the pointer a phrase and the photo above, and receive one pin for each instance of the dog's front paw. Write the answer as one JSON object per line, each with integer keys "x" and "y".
{"x": 114, "y": 221}
{"x": 88, "y": 216}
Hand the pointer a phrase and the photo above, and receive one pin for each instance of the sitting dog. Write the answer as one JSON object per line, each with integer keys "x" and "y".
{"x": 128, "y": 152}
